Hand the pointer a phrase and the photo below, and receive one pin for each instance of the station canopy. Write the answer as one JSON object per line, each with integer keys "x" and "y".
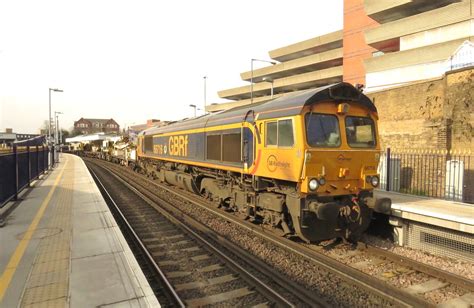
{"x": 93, "y": 137}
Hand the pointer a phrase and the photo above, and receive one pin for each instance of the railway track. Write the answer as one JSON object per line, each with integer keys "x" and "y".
{"x": 411, "y": 264}
{"x": 196, "y": 268}
{"x": 158, "y": 281}
{"x": 408, "y": 275}
{"x": 351, "y": 274}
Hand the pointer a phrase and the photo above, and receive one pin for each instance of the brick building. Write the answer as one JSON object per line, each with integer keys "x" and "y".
{"x": 149, "y": 123}
{"x": 134, "y": 130}
{"x": 89, "y": 126}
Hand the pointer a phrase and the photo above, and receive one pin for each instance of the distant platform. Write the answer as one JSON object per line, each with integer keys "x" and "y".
{"x": 61, "y": 247}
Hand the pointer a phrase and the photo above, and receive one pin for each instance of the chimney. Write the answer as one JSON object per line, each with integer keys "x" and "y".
{"x": 150, "y": 123}
{"x": 9, "y": 130}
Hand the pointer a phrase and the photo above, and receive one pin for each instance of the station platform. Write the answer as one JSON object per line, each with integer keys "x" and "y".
{"x": 61, "y": 247}
{"x": 443, "y": 213}
{"x": 439, "y": 227}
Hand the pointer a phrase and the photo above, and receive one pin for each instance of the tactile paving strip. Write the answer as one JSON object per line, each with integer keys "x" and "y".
{"x": 55, "y": 303}
{"x": 48, "y": 283}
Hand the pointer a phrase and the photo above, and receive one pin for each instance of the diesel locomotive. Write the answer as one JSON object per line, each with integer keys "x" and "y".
{"x": 305, "y": 163}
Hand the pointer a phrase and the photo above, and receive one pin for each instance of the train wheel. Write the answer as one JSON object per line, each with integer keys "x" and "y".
{"x": 204, "y": 193}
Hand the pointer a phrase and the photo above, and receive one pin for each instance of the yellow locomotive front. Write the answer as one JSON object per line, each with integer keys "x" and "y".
{"x": 331, "y": 151}
{"x": 342, "y": 152}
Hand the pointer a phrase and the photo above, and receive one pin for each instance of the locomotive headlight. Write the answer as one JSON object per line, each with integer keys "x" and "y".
{"x": 313, "y": 184}
{"x": 322, "y": 181}
{"x": 374, "y": 181}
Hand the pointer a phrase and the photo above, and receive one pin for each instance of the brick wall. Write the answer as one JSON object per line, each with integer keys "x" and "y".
{"x": 427, "y": 124}
{"x": 434, "y": 114}
{"x": 459, "y": 107}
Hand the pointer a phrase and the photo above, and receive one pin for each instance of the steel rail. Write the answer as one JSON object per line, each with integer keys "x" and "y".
{"x": 162, "y": 276}
{"x": 422, "y": 267}
{"x": 246, "y": 275}
{"x": 347, "y": 273}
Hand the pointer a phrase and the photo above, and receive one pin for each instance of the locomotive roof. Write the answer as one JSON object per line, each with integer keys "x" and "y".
{"x": 288, "y": 105}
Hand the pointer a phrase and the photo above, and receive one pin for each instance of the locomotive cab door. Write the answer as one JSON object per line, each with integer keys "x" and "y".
{"x": 248, "y": 139}
{"x": 248, "y": 146}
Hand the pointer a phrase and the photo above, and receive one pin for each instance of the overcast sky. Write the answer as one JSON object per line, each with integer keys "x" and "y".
{"x": 138, "y": 60}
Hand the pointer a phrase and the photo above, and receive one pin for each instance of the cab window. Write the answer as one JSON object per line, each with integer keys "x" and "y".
{"x": 322, "y": 130}
{"x": 360, "y": 132}
{"x": 272, "y": 133}
{"x": 279, "y": 133}
{"x": 285, "y": 133}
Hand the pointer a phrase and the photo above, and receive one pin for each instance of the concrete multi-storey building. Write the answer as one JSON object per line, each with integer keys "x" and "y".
{"x": 382, "y": 44}
{"x": 303, "y": 65}
{"x": 414, "y": 40}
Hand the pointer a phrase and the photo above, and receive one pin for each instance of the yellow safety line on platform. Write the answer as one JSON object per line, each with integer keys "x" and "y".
{"x": 20, "y": 249}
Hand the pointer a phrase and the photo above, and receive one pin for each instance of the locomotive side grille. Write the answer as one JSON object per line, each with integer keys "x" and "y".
{"x": 440, "y": 241}
{"x": 149, "y": 144}
{"x": 214, "y": 147}
{"x": 231, "y": 152}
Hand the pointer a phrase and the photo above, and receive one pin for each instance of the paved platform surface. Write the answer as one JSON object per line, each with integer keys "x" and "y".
{"x": 447, "y": 214}
{"x": 61, "y": 247}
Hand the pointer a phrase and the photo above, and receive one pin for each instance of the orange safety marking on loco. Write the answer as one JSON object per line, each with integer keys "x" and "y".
{"x": 257, "y": 162}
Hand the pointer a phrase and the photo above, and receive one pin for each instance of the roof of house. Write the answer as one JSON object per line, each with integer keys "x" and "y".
{"x": 103, "y": 121}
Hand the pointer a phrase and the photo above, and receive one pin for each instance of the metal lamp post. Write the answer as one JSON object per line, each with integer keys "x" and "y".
{"x": 251, "y": 75}
{"x": 56, "y": 115}
{"x": 49, "y": 124}
{"x": 49, "y": 118}
{"x": 193, "y": 106}
{"x": 56, "y": 136}
{"x": 205, "y": 95}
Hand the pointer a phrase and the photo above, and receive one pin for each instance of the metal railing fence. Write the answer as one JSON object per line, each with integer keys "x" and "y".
{"x": 20, "y": 165}
{"x": 464, "y": 57}
{"x": 432, "y": 173}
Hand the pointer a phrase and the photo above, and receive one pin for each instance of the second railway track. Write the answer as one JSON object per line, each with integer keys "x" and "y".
{"x": 198, "y": 271}
{"x": 388, "y": 293}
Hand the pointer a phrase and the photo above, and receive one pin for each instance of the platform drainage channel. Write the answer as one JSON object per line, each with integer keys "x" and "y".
{"x": 440, "y": 241}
